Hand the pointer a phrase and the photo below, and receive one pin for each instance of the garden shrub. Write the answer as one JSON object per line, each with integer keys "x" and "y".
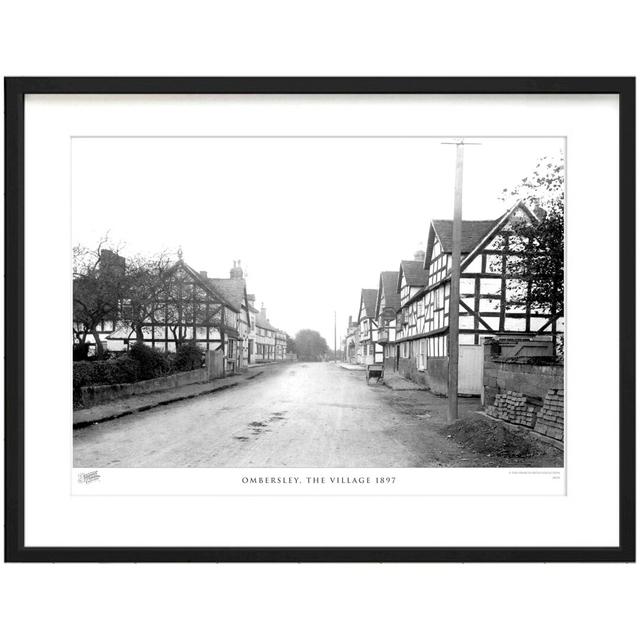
{"x": 188, "y": 357}
{"x": 82, "y": 374}
{"x": 152, "y": 363}
{"x": 119, "y": 370}
{"x": 139, "y": 363}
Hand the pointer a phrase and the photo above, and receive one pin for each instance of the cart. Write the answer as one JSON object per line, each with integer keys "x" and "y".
{"x": 374, "y": 371}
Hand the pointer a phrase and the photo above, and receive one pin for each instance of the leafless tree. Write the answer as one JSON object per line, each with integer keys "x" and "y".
{"x": 98, "y": 285}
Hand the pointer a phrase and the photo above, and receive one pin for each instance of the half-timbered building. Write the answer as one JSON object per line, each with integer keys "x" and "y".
{"x": 281, "y": 345}
{"x": 370, "y": 350}
{"x": 187, "y": 309}
{"x": 271, "y": 342}
{"x": 253, "y": 330}
{"x": 387, "y": 306}
{"x": 234, "y": 289}
{"x": 410, "y": 284}
{"x": 352, "y": 341}
{"x": 490, "y": 300}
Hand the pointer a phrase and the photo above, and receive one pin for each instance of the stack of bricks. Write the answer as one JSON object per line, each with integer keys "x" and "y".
{"x": 512, "y": 407}
{"x": 550, "y": 420}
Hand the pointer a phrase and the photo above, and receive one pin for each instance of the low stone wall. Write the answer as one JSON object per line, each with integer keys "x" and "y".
{"x": 530, "y": 380}
{"x": 99, "y": 394}
{"x": 524, "y": 393}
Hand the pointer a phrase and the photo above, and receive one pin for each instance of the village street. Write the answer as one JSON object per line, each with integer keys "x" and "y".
{"x": 296, "y": 415}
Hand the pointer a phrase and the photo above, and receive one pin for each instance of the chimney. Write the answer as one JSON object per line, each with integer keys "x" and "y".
{"x": 111, "y": 261}
{"x": 419, "y": 255}
{"x": 203, "y": 275}
{"x": 236, "y": 271}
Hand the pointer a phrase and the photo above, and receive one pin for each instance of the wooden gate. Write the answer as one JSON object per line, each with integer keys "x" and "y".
{"x": 470, "y": 369}
{"x": 215, "y": 364}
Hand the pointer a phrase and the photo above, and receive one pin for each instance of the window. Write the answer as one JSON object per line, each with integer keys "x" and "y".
{"x": 422, "y": 357}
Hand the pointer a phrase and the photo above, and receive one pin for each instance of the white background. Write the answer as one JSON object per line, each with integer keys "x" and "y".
{"x": 328, "y": 38}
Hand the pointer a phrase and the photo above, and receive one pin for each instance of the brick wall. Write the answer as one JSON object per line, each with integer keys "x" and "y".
{"x": 524, "y": 393}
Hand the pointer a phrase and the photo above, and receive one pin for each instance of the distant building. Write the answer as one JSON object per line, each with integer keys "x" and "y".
{"x": 252, "y": 338}
{"x": 370, "y": 351}
{"x": 271, "y": 342}
{"x": 352, "y": 342}
{"x": 412, "y": 279}
{"x": 234, "y": 289}
{"x": 387, "y": 306}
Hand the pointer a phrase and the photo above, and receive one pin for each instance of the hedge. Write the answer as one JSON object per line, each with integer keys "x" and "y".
{"x": 139, "y": 363}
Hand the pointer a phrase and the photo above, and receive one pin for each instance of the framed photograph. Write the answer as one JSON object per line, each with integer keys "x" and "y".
{"x": 320, "y": 319}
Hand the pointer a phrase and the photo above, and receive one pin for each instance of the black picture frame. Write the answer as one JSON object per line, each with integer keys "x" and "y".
{"x": 15, "y": 91}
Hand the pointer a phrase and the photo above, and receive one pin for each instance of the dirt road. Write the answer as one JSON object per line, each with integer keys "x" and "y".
{"x": 298, "y": 415}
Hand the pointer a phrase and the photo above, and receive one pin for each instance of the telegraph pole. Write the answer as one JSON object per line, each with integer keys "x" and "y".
{"x": 334, "y": 338}
{"x": 454, "y": 293}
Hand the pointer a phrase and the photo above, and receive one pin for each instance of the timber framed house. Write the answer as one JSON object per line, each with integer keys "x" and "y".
{"x": 410, "y": 286}
{"x": 370, "y": 350}
{"x": 352, "y": 342}
{"x": 187, "y": 309}
{"x": 490, "y": 300}
{"x": 387, "y": 306}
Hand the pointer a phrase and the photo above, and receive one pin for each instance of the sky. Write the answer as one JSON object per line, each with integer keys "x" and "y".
{"x": 313, "y": 220}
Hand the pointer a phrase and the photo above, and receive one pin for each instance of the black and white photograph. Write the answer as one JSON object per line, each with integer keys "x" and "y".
{"x": 336, "y": 302}
{"x": 359, "y": 316}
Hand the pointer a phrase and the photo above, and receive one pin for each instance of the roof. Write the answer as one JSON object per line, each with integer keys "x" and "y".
{"x": 369, "y": 296}
{"x": 388, "y": 282}
{"x": 231, "y": 288}
{"x": 498, "y": 224}
{"x": 205, "y": 283}
{"x": 414, "y": 273}
{"x": 472, "y": 232}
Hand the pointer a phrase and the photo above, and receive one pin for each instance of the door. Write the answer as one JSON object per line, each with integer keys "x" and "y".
{"x": 470, "y": 369}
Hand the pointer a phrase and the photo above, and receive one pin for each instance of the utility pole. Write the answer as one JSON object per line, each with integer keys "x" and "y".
{"x": 334, "y": 338}
{"x": 454, "y": 293}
